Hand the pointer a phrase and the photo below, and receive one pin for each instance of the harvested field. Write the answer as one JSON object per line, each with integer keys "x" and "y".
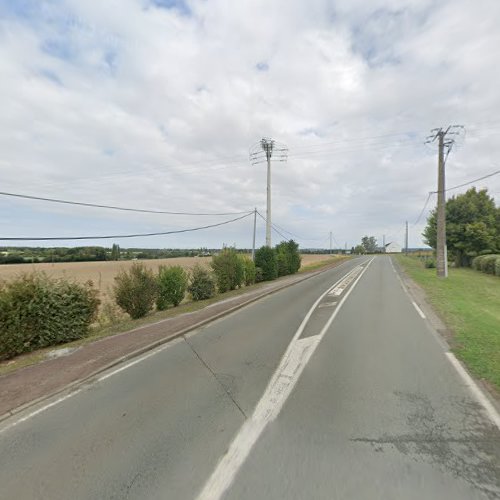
{"x": 102, "y": 273}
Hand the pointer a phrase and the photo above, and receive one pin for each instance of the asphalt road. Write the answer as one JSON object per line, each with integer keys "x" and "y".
{"x": 363, "y": 405}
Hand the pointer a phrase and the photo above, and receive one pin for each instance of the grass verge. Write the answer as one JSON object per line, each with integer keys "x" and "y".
{"x": 126, "y": 324}
{"x": 469, "y": 304}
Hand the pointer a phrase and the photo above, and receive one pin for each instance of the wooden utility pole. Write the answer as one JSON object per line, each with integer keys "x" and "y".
{"x": 330, "y": 242}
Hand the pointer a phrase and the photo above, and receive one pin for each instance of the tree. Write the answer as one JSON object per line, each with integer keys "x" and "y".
{"x": 472, "y": 226}
{"x": 115, "y": 252}
{"x": 360, "y": 250}
{"x": 369, "y": 244}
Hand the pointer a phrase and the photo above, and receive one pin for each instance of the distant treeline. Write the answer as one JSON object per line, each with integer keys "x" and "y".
{"x": 21, "y": 255}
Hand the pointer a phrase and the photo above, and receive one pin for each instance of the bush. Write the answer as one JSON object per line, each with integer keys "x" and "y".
{"x": 229, "y": 270}
{"x": 476, "y": 262}
{"x": 429, "y": 263}
{"x": 487, "y": 263}
{"x": 172, "y": 285}
{"x": 136, "y": 290}
{"x": 497, "y": 267}
{"x": 250, "y": 271}
{"x": 37, "y": 311}
{"x": 288, "y": 257}
{"x": 266, "y": 259}
{"x": 259, "y": 275}
{"x": 202, "y": 284}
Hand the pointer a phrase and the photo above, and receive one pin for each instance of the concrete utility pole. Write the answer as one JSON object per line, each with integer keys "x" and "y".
{"x": 254, "y": 230}
{"x": 264, "y": 151}
{"x": 406, "y": 239}
{"x": 443, "y": 143}
{"x": 268, "y": 146}
{"x": 441, "y": 261}
{"x": 330, "y": 242}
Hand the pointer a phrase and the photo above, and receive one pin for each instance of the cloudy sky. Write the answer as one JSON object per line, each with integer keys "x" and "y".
{"x": 154, "y": 104}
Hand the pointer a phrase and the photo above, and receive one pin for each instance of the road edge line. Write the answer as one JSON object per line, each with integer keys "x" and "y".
{"x": 474, "y": 389}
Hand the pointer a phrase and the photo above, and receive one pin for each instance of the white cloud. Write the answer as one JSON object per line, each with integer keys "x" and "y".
{"x": 127, "y": 103}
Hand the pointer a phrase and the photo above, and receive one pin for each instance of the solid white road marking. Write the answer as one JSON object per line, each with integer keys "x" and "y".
{"x": 422, "y": 315}
{"x": 77, "y": 391}
{"x": 39, "y": 410}
{"x": 279, "y": 388}
{"x": 476, "y": 391}
{"x": 141, "y": 358}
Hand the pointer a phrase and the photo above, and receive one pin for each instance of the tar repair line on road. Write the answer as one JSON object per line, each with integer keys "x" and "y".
{"x": 279, "y": 388}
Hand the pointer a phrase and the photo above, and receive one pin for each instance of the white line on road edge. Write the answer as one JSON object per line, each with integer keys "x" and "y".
{"x": 138, "y": 360}
{"x": 422, "y": 315}
{"x": 476, "y": 391}
{"x": 279, "y": 388}
{"x": 77, "y": 391}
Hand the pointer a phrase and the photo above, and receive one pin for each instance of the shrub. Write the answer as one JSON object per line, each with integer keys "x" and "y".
{"x": 429, "y": 263}
{"x": 136, "y": 290}
{"x": 266, "y": 259}
{"x": 283, "y": 263}
{"x": 487, "y": 263}
{"x": 497, "y": 267}
{"x": 229, "y": 270}
{"x": 250, "y": 271}
{"x": 172, "y": 285}
{"x": 288, "y": 257}
{"x": 476, "y": 262}
{"x": 37, "y": 311}
{"x": 259, "y": 275}
{"x": 202, "y": 284}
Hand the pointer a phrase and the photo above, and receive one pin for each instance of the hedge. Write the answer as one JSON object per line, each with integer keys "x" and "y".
{"x": 37, "y": 311}
{"x": 489, "y": 264}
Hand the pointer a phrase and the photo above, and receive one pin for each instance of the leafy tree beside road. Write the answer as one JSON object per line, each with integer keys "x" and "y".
{"x": 472, "y": 226}
{"x": 369, "y": 243}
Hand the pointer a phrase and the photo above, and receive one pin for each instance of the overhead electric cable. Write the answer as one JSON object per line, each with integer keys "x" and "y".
{"x": 425, "y": 206}
{"x": 273, "y": 227}
{"x": 111, "y": 207}
{"x": 471, "y": 182}
{"x": 116, "y": 236}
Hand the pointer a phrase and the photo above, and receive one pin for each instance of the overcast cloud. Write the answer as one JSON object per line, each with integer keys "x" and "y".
{"x": 155, "y": 103}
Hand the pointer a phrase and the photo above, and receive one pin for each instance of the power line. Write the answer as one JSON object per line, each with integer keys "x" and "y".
{"x": 111, "y": 207}
{"x": 117, "y": 236}
{"x": 425, "y": 206}
{"x": 273, "y": 227}
{"x": 471, "y": 182}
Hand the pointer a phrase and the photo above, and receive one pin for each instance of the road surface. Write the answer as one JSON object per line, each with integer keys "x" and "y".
{"x": 334, "y": 388}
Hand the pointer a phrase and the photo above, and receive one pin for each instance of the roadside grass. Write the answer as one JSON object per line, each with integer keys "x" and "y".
{"x": 123, "y": 323}
{"x": 322, "y": 263}
{"x": 469, "y": 303}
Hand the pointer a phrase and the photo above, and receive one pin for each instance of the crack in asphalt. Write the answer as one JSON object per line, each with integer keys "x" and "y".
{"x": 226, "y": 390}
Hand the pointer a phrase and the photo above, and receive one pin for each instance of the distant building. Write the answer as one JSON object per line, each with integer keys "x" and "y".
{"x": 392, "y": 248}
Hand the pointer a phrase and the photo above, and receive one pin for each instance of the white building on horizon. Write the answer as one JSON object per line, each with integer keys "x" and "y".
{"x": 392, "y": 247}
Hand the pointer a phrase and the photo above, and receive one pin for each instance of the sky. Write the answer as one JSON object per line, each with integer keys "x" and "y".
{"x": 155, "y": 104}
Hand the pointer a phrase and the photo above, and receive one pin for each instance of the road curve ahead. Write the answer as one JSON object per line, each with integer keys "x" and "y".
{"x": 334, "y": 388}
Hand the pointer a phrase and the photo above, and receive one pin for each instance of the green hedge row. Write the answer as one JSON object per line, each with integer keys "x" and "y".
{"x": 487, "y": 264}
{"x": 37, "y": 311}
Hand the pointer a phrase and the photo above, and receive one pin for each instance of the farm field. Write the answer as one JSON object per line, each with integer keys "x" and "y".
{"x": 102, "y": 273}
